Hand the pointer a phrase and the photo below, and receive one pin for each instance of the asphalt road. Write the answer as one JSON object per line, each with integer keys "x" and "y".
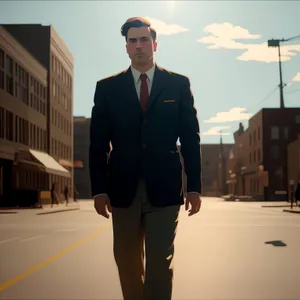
{"x": 230, "y": 250}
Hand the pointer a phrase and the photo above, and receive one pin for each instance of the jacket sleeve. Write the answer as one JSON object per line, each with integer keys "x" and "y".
{"x": 189, "y": 135}
{"x": 99, "y": 141}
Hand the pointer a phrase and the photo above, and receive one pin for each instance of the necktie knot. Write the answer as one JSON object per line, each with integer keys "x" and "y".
{"x": 143, "y": 77}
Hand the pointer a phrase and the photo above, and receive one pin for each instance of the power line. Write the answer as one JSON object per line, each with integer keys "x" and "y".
{"x": 292, "y": 38}
{"x": 292, "y": 92}
{"x": 266, "y": 98}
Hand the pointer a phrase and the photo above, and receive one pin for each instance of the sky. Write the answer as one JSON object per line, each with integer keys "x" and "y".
{"x": 221, "y": 46}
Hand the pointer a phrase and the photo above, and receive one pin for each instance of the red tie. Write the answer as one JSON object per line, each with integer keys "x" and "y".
{"x": 144, "y": 94}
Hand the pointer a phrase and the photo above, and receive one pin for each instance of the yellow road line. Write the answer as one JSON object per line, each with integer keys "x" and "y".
{"x": 7, "y": 284}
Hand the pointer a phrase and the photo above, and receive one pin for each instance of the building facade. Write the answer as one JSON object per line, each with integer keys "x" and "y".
{"x": 293, "y": 164}
{"x": 46, "y": 46}
{"x": 259, "y": 158}
{"x": 25, "y": 165}
{"x": 211, "y": 177}
{"x": 81, "y": 154}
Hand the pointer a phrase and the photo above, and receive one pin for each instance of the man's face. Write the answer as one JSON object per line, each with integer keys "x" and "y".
{"x": 140, "y": 45}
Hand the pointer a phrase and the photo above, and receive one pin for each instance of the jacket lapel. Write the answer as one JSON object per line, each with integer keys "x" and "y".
{"x": 157, "y": 87}
{"x": 130, "y": 90}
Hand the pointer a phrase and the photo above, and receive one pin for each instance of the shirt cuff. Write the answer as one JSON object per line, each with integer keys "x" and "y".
{"x": 99, "y": 195}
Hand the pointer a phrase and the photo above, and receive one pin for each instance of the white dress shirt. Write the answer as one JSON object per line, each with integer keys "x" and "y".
{"x": 137, "y": 80}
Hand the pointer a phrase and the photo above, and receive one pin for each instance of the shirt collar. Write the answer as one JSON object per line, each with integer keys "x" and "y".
{"x": 136, "y": 74}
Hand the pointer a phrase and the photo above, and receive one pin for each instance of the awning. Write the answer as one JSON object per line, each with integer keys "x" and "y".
{"x": 50, "y": 164}
{"x": 40, "y": 161}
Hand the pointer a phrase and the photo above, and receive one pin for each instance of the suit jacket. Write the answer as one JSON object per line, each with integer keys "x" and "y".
{"x": 127, "y": 144}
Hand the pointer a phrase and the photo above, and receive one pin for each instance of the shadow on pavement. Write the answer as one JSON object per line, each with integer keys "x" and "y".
{"x": 276, "y": 243}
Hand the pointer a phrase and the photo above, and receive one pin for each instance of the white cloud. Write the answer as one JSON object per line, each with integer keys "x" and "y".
{"x": 217, "y": 130}
{"x": 297, "y": 77}
{"x": 229, "y": 31}
{"x": 234, "y": 114}
{"x": 224, "y": 36}
{"x": 163, "y": 28}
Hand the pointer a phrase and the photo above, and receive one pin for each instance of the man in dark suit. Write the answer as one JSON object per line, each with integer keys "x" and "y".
{"x": 135, "y": 169}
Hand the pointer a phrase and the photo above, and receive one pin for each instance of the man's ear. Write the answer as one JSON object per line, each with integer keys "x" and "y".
{"x": 155, "y": 46}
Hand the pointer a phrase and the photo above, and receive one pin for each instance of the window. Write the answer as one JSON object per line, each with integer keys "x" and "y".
{"x": 45, "y": 140}
{"x": 286, "y": 132}
{"x": 258, "y": 133}
{"x": 53, "y": 88}
{"x": 34, "y": 137}
{"x": 1, "y": 59}
{"x": 26, "y": 132}
{"x": 298, "y": 119}
{"x": 66, "y": 103}
{"x": 250, "y": 158}
{"x": 9, "y": 75}
{"x": 37, "y": 138}
{"x": 254, "y": 137}
{"x": 16, "y": 129}
{"x": 9, "y": 85}
{"x": 274, "y": 132}
{"x": 250, "y": 139}
{"x": 9, "y": 126}
{"x": 2, "y": 69}
{"x": 9, "y": 66}
{"x": 2, "y": 121}
{"x": 275, "y": 152}
{"x": 52, "y": 61}
{"x": 258, "y": 155}
{"x": 1, "y": 79}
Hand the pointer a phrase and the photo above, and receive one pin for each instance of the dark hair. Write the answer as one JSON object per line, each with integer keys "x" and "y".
{"x": 137, "y": 22}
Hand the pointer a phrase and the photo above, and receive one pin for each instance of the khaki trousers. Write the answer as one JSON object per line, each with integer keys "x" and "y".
{"x": 153, "y": 229}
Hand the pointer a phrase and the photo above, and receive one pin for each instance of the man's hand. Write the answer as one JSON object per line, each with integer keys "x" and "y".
{"x": 195, "y": 201}
{"x": 102, "y": 205}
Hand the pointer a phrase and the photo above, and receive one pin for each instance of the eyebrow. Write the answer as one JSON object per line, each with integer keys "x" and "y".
{"x": 141, "y": 37}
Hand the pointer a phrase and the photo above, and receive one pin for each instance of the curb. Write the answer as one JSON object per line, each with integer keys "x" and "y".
{"x": 57, "y": 211}
{"x": 292, "y": 211}
{"x": 275, "y": 206}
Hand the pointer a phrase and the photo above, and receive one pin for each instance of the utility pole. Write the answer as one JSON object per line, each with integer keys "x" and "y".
{"x": 276, "y": 43}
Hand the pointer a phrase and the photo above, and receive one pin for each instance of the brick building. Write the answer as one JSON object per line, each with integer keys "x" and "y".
{"x": 223, "y": 167}
{"x": 81, "y": 153}
{"x": 211, "y": 178}
{"x": 36, "y": 108}
{"x": 293, "y": 164}
{"x": 258, "y": 163}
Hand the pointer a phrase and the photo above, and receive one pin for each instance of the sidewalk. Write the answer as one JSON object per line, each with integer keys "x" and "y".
{"x": 47, "y": 209}
{"x": 62, "y": 207}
